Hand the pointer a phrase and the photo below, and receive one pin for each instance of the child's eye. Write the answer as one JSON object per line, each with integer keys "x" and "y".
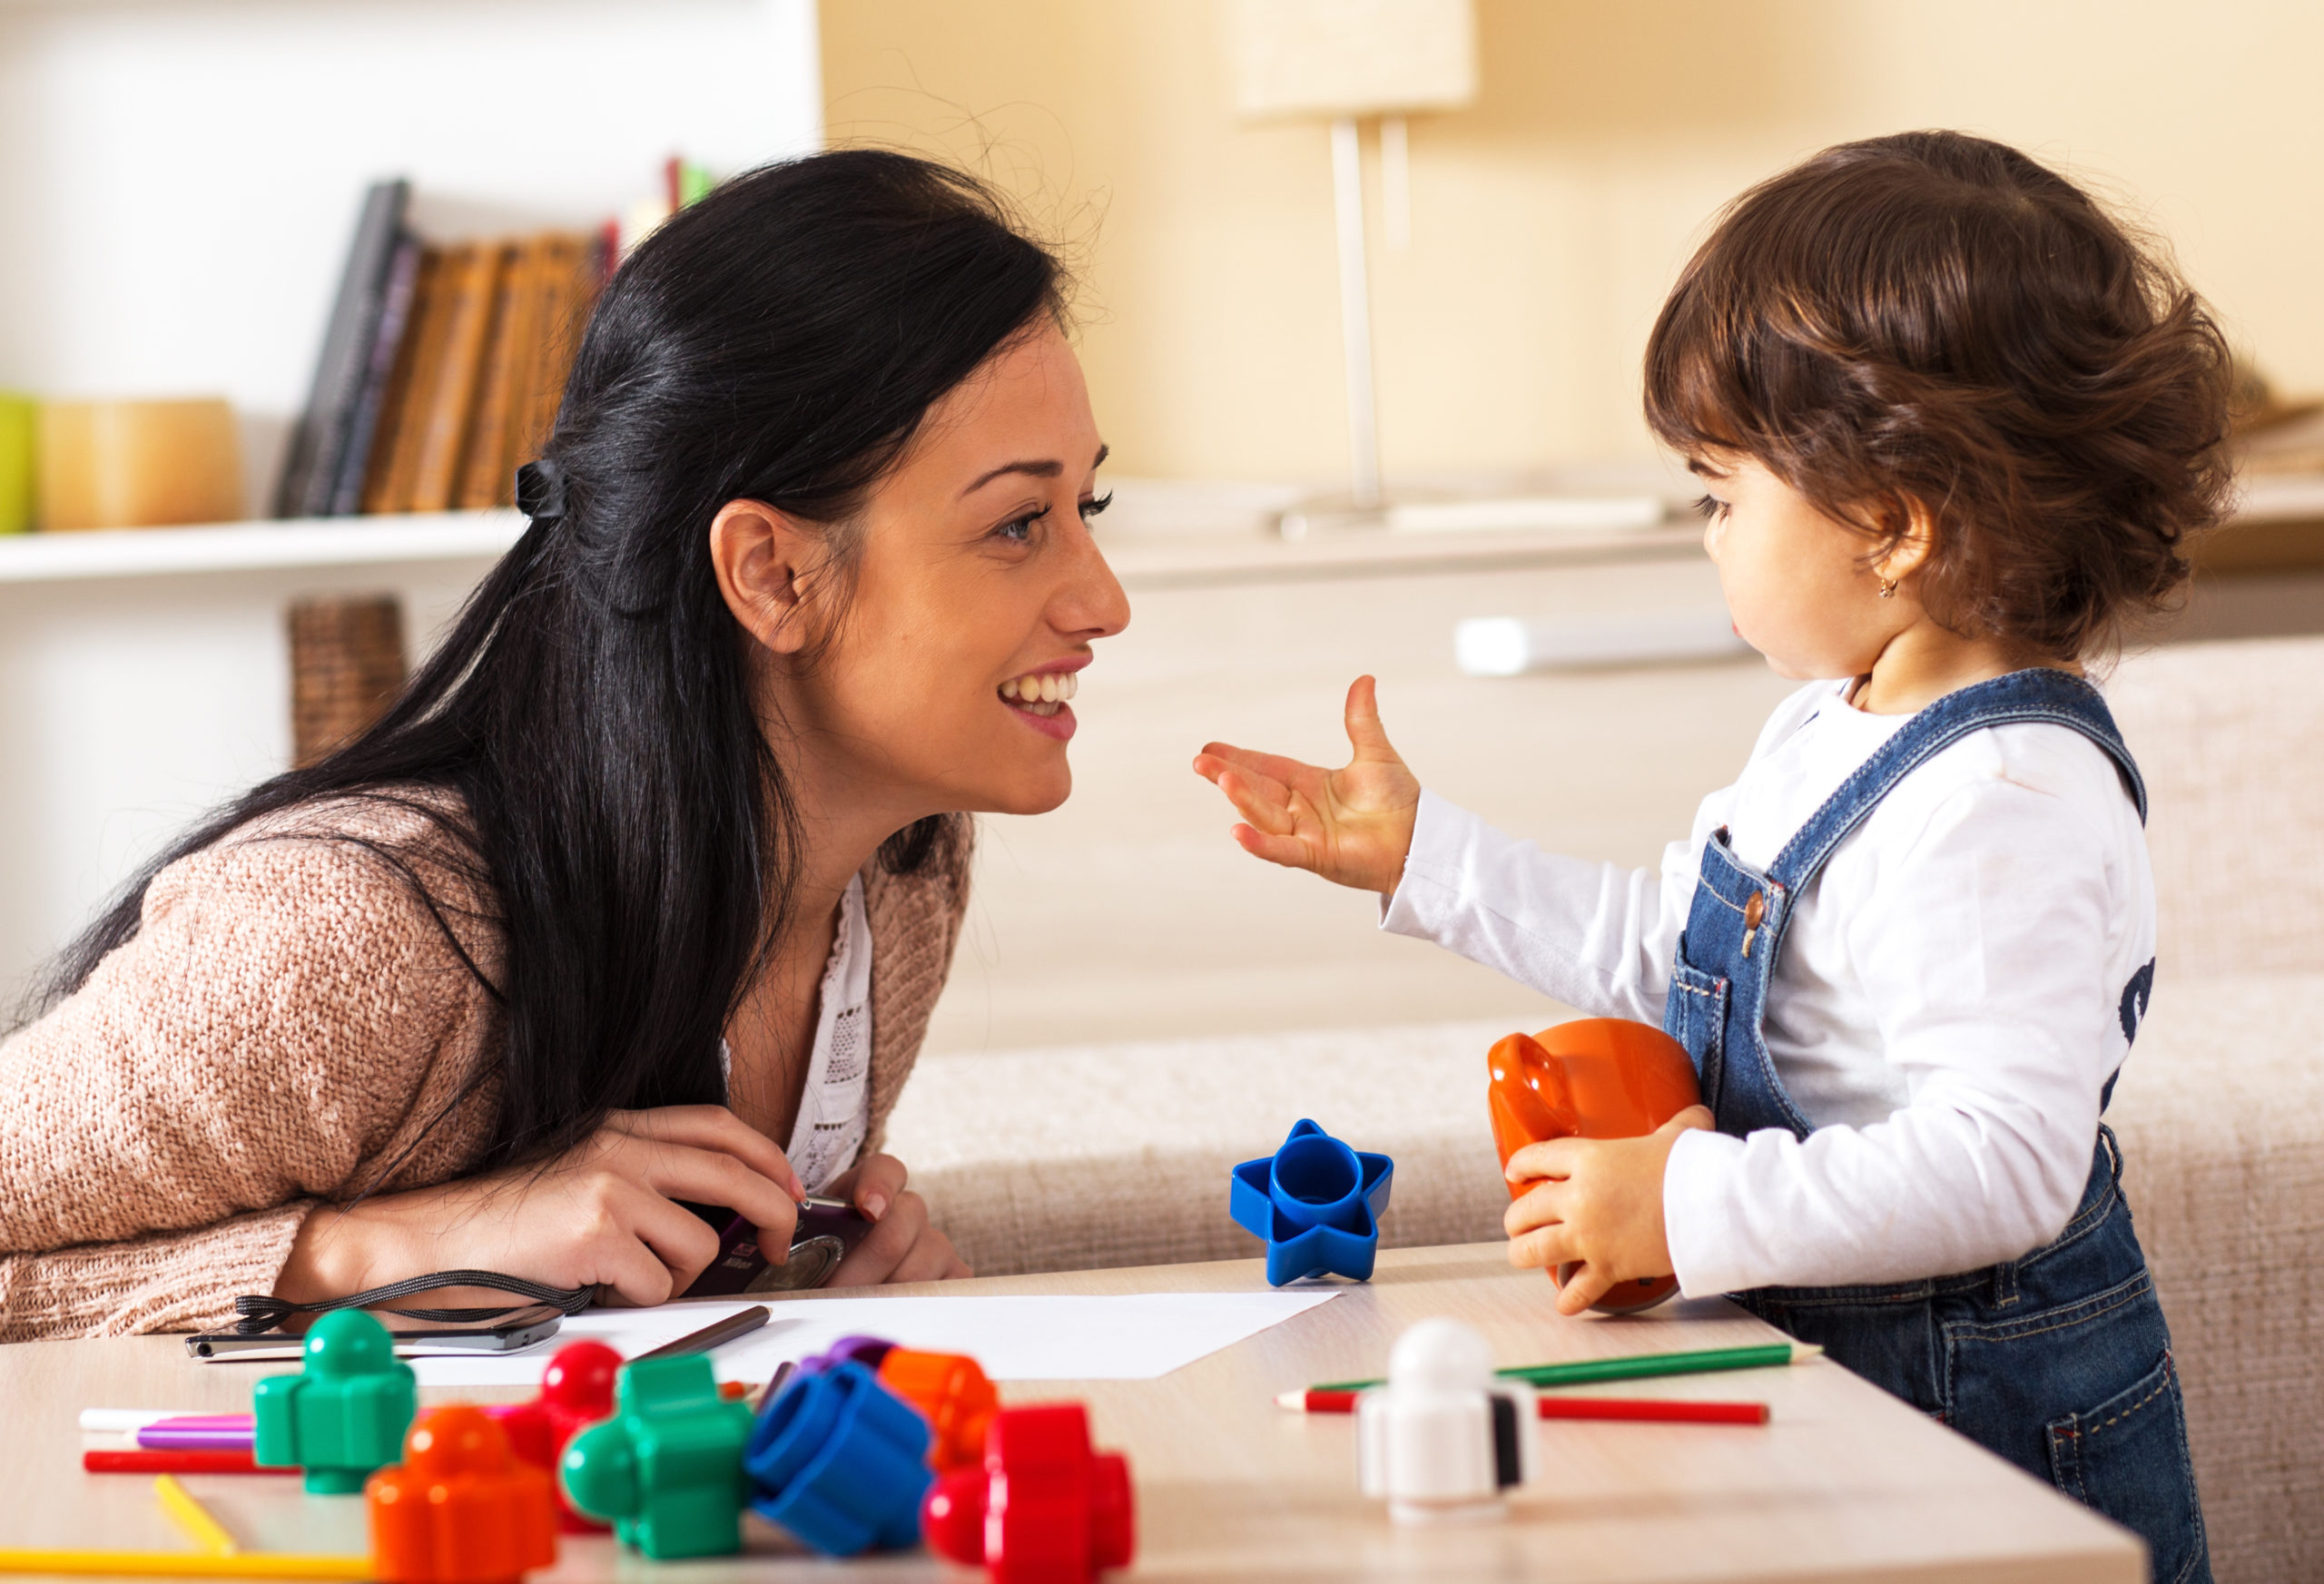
{"x": 1090, "y": 508}
{"x": 1710, "y": 508}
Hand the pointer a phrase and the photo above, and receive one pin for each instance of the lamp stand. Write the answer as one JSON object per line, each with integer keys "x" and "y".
{"x": 1355, "y": 316}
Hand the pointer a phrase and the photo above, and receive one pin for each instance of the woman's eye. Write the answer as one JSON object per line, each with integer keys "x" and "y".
{"x": 1019, "y": 530}
{"x": 1090, "y": 508}
{"x": 1710, "y": 508}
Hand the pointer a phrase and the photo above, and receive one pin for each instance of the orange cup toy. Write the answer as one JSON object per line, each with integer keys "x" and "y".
{"x": 1596, "y": 1077}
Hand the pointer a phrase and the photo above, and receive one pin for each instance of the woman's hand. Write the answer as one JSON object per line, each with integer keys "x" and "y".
{"x": 901, "y": 1247}
{"x": 1353, "y": 825}
{"x": 1597, "y": 1203}
{"x": 604, "y": 1214}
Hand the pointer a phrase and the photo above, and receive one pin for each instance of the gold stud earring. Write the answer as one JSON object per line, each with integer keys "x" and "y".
{"x": 1887, "y": 588}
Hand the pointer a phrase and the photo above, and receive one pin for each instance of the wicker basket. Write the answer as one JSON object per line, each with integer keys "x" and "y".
{"x": 347, "y": 665}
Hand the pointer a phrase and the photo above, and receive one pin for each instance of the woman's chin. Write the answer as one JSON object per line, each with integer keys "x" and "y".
{"x": 1035, "y": 791}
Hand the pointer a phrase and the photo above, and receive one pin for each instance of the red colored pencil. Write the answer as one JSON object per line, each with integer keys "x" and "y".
{"x": 97, "y": 1460}
{"x": 1649, "y": 1410}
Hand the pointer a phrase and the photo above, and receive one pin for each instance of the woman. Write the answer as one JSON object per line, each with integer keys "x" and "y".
{"x": 641, "y": 895}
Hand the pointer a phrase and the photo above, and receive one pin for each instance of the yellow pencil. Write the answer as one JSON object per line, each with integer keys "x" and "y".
{"x": 187, "y": 1564}
{"x": 206, "y": 1533}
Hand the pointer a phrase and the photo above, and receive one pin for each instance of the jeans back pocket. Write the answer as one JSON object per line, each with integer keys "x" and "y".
{"x": 2127, "y": 1458}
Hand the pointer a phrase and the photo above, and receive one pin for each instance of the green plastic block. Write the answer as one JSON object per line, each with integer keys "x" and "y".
{"x": 345, "y": 1414}
{"x": 667, "y": 1470}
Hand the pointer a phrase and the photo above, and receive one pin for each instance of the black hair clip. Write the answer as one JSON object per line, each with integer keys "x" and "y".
{"x": 541, "y": 491}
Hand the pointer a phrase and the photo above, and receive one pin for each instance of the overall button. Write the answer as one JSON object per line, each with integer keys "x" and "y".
{"x": 1755, "y": 911}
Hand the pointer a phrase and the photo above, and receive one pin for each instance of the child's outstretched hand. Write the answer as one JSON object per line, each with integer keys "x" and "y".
{"x": 1353, "y": 825}
{"x": 1597, "y": 1202}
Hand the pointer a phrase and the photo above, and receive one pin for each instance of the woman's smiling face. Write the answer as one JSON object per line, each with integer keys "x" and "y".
{"x": 976, "y": 595}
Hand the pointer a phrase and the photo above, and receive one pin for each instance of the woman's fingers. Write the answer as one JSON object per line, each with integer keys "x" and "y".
{"x": 681, "y": 1240}
{"x": 930, "y": 1259}
{"x": 705, "y": 1176}
{"x": 874, "y": 1260}
{"x": 711, "y": 1127}
{"x": 879, "y": 1181}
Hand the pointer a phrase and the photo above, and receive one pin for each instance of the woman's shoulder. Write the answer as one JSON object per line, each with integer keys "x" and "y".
{"x": 381, "y": 877}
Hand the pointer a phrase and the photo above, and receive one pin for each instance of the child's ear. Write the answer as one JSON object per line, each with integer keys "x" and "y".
{"x": 769, "y": 566}
{"x": 1914, "y": 542}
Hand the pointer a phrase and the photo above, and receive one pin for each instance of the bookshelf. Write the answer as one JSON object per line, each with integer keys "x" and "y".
{"x": 313, "y": 542}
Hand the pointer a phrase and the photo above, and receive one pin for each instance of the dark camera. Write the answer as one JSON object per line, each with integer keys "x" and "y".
{"x": 827, "y": 1229}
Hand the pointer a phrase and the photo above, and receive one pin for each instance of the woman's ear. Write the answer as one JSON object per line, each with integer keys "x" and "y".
{"x": 769, "y": 566}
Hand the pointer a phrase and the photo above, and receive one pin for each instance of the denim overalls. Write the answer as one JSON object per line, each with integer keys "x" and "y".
{"x": 2058, "y": 1360}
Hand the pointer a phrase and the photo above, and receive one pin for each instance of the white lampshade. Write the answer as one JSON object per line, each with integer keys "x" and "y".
{"x": 1353, "y": 57}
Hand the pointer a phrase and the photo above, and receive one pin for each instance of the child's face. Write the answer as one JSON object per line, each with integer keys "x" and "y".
{"x": 1796, "y": 581}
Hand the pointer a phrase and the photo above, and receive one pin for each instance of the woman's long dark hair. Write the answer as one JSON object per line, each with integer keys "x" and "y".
{"x": 778, "y": 341}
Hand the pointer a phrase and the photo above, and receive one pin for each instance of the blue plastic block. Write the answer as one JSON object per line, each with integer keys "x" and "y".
{"x": 840, "y": 1461}
{"x": 1316, "y": 1203}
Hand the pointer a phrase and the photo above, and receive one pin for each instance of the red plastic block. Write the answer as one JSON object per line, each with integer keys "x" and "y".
{"x": 951, "y": 1392}
{"x": 1045, "y": 1508}
{"x": 460, "y": 1509}
{"x": 576, "y": 1390}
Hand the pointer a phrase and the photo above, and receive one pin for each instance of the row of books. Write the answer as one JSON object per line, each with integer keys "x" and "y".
{"x": 441, "y": 366}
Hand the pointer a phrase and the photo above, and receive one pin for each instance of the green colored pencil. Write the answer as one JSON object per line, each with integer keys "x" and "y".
{"x": 1637, "y": 1366}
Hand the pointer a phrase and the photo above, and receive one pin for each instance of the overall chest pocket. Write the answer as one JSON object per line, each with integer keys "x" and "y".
{"x": 1696, "y": 1017}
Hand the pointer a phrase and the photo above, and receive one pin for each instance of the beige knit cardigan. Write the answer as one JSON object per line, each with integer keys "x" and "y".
{"x": 287, "y": 1020}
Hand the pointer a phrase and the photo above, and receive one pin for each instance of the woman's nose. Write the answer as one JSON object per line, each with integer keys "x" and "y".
{"x": 1091, "y": 603}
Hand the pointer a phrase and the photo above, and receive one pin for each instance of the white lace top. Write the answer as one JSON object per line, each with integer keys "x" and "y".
{"x": 835, "y": 1106}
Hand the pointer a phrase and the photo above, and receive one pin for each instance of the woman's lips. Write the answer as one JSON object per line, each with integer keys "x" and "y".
{"x": 1038, "y": 699}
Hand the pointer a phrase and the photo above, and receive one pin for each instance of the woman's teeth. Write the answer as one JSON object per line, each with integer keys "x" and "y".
{"x": 1040, "y": 694}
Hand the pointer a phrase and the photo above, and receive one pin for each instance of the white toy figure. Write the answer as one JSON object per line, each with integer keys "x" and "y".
{"x": 1445, "y": 1436}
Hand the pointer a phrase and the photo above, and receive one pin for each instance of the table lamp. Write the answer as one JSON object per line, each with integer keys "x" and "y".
{"x": 1345, "y": 61}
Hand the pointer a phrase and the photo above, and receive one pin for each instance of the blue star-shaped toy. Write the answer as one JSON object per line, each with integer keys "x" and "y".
{"x": 1316, "y": 1203}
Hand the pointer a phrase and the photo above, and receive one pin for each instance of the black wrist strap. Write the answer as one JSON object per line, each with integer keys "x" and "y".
{"x": 262, "y": 1312}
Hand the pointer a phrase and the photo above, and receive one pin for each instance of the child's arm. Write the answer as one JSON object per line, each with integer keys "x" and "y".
{"x": 1594, "y": 935}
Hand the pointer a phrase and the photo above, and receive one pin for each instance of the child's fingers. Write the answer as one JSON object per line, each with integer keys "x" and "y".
{"x": 1261, "y": 802}
{"x": 1541, "y": 1207}
{"x": 1287, "y": 850}
{"x": 1364, "y": 732}
{"x": 1274, "y": 766}
{"x": 1585, "y": 1287}
{"x": 1552, "y": 1157}
{"x": 1543, "y": 1248}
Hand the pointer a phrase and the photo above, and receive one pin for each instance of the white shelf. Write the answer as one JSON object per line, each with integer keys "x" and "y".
{"x": 250, "y": 547}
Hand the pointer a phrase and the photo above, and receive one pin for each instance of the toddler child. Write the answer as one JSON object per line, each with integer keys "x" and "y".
{"x": 1954, "y": 425}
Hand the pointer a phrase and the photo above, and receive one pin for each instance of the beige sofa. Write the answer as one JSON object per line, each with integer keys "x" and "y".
{"x": 1124, "y": 1159}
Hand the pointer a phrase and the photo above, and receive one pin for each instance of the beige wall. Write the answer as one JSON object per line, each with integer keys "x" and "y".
{"x": 1548, "y": 219}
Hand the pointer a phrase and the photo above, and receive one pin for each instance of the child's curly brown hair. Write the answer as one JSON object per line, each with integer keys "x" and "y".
{"x": 1936, "y": 320}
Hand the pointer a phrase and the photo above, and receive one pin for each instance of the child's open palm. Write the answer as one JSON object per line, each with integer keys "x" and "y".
{"x": 1353, "y": 825}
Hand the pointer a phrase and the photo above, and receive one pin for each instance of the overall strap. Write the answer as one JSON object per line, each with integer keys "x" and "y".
{"x": 2042, "y": 695}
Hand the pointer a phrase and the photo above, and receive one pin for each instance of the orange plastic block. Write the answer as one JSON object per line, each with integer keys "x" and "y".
{"x": 951, "y": 1392}
{"x": 1596, "y": 1077}
{"x": 460, "y": 1509}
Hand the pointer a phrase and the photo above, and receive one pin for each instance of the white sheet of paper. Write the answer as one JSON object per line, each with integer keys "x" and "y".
{"x": 1046, "y": 1337}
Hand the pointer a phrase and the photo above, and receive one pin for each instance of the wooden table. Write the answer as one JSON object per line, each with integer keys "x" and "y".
{"x": 1844, "y": 1483}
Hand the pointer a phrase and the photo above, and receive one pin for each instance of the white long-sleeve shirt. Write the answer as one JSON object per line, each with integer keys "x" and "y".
{"x": 1950, "y": 1000}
